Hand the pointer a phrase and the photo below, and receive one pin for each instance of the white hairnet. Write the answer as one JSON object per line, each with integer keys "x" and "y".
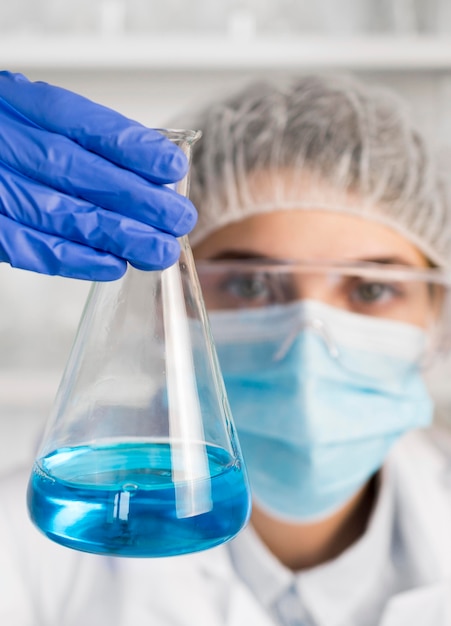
{"x": 336, "y": 130}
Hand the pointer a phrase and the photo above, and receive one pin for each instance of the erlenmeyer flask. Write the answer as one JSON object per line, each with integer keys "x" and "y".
{"x": 140, "y": 456}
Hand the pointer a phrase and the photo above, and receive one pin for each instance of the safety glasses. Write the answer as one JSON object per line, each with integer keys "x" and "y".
{"x": 399, "y": 313}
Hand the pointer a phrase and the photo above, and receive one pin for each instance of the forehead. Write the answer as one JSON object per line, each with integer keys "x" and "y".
{"x": 309, "y": 234}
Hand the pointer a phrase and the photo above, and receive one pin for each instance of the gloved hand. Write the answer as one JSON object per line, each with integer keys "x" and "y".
{"x": 82, "y": 187}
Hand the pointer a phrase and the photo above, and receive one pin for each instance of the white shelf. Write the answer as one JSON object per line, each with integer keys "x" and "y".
{"x": 207, "y": 53}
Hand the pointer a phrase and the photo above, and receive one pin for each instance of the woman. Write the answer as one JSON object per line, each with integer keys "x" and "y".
{"x": 323, "y": 249}
{"x": 309, "y": 197}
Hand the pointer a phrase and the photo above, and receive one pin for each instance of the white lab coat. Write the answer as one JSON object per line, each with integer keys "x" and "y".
{"x": 43, "y": 584}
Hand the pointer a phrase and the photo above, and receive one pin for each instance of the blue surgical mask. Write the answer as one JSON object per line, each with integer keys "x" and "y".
{"x": 319, "y": 396}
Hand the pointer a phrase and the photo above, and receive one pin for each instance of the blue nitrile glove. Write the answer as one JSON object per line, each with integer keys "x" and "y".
{"x": 82, "y": 187}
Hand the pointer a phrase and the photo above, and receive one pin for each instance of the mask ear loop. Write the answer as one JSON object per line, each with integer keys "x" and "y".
{"x": 320, "y": 328}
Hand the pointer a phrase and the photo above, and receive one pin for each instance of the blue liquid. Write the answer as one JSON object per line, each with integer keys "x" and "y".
{"x": 121, "y": 500}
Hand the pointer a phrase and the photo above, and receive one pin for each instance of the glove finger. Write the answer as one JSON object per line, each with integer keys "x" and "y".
{"x": 74, "y": 219}
{"x": 95, "y": 127}
{"x": 60, "y": 163}
{"x": 29, "y": 249}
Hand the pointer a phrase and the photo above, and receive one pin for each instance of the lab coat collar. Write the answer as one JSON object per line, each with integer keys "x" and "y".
{"x": 319, "y": 589}
{"x": 244, "y": 610}
{"x": 258, "y": 568}
{"x": 421, "y": 492}
{"x": 424, "y": 502}
{"x": 335, "y": 591}
{"x": 241, "y": 607}
{"x": 417, "y": 497}
{"x": 424, "y": 513}
{"x": 430, "y": 604}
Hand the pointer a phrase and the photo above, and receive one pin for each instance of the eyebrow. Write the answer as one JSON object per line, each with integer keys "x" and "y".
{"x": 231, "y": 255}
{"x": 388, "y": 260}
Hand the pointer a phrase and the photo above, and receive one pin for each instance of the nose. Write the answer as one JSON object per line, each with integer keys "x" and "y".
{"x": 310, "y": 286}
{"x": 319, "y": 327}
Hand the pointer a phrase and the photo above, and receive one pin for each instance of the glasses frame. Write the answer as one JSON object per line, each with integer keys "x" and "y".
{"x": 367, "y": 269}
{"x": 439, "y": 334}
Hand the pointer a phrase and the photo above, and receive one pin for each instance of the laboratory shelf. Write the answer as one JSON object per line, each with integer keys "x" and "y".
{"x": 170, "y": 53}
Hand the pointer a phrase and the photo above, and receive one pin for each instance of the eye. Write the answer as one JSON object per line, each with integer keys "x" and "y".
{"x": 251, "y": 288}
{"x": 366, "y": 293}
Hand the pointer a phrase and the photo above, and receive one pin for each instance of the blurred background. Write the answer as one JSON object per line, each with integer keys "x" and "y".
{"x": 152, "y": 59}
